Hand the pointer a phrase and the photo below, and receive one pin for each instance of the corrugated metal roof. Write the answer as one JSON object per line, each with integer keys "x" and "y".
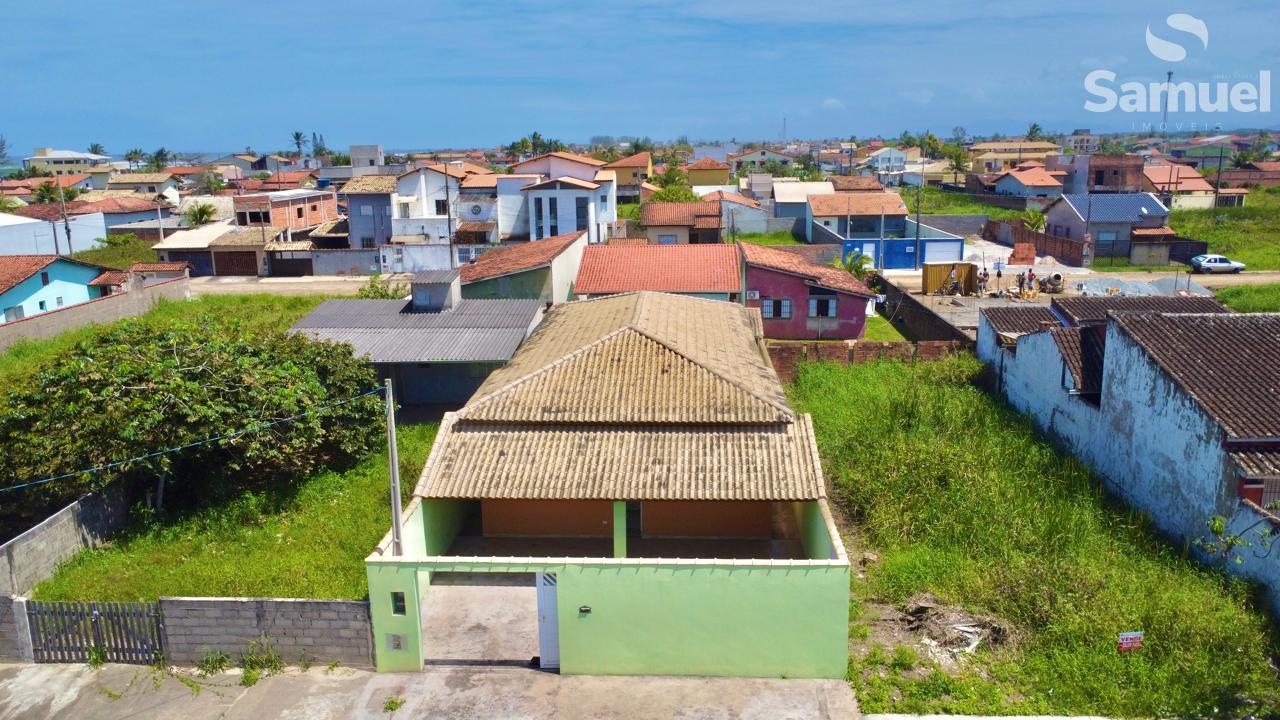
{"x": 432, "y": 277}
{"x": 1117, "y": 207}
{"x": 631, "y": 462}
{"x": 399, "y": 314}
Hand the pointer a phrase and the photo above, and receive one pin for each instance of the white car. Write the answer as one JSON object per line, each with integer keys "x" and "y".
{"x": 1215, "y": 264}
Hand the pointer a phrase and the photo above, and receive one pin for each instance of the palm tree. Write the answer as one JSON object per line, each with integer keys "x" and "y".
{"x": 135, "y": 157}
{"x": 1034, "y": 131}
{"x": 48, "y": 192}
{"x": 97, "y": 149}
{"x": 958, "y": 164}
{"x": 299, "y": 141}
{"x": 1033, "y": 220}
{"x": 159, "y": 159}
{"x": 200, "y": 214}
{"x": 858, "y": 265}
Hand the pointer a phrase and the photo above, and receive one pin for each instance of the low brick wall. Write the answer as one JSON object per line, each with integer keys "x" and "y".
{"x": 136, "y": 301}
{"x": 787, "y": 356}
{"x": 31, "y": 557}
{"x": 322, "y": 631}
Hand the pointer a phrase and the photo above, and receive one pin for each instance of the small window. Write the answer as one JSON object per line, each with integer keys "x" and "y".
{"x": 59, "y": 301}
{"x": 366, "y": 242}
{"x": 44, "y": 278}
{"x": 822, "y": 307}
{"x": 397, "y": 603}
{"x": 442, "y": 207}
{"x": 666, "y": 239}
{"x": 300, "y": 209}
{"x": 366, "y": 210}
{"x": 44, "y": 305}
{"x": 315, "y": 208}
{"x": 775, "y": 309}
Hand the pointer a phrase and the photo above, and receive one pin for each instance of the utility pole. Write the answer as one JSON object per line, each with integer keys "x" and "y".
{"x": 160, "y": 219}
{"x": 1164, "y": 119}
{"x": 66, "y": 224}
{"x": 919, "y": 188}
{"x": 393, "y": 463}
{"x": 1217, "y": 183}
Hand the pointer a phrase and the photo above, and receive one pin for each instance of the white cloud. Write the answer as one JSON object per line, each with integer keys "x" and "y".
{"x": 832, "y": 104}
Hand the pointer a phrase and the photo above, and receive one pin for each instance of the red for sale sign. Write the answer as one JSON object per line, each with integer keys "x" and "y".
{"x": 1129, "y": 641}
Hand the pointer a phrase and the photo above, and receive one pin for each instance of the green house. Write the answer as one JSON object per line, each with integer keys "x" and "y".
{"x": 533, "y": 270}
{"x": 629, "y": 495}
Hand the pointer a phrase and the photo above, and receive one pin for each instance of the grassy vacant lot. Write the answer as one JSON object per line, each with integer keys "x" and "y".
{"x": 309, "y": 543}
{"x": 780, "y": 237}
{"x": 629, "y": 211}
{"x": 941, "y": 202}
{"x": 119, "y": 256}
{"x": 238, "y": 313}
{"x": 1250, "y": 234}
{"x": 879, "y": 328}
{"x": 1251, "y": 298}
{"x": 958, "y": 496}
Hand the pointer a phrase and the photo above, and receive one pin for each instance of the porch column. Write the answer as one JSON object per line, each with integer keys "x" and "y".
{"x": 619, "y": 528}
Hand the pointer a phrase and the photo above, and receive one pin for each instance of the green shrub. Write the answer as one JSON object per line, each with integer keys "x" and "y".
{"x": 213, "y": 662}
{"x": 137, "y": 389}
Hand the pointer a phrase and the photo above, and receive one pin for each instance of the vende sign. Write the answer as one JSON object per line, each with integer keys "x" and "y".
{"x": 1129, "y": 641}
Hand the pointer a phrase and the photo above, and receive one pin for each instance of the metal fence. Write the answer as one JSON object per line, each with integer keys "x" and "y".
{"x": 74, "y": 632}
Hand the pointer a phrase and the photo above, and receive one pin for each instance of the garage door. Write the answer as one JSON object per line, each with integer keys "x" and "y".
{"x": 290, "y": 267}
{"x": 943, "y": 251}
{"x": 201, "y": 262}
{"x": 236, "y": 263}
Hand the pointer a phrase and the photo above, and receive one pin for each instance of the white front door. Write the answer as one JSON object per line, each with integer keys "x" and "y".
{"x": 548, "y": 623}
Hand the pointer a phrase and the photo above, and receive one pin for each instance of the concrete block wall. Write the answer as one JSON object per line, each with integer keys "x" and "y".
{"x": 323, "y": 630}
{"x": 32, "y": 557}
{"x": 136, "y": 301}
{"x": 10, "y": 648}
{"x": 787, "y": 356}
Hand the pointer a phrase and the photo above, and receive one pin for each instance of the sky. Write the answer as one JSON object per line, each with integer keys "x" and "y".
{"x": 226, "y": 75}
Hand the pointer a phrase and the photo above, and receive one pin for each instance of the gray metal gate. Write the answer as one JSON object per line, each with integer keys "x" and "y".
{"x": 68, "y": 632}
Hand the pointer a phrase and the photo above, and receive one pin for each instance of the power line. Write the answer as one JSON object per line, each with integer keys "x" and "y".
{"x": 206, "y": 441}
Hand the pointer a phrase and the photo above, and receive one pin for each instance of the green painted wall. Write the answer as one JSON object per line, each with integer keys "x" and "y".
{"x": 724, "y": 621}
{"x": 813, "y": 532}
{"x": 532, "y": 284}
{"x": 442, "y": 519}
{"x": 619, "y": 529}
{"x": 385, "y": 579}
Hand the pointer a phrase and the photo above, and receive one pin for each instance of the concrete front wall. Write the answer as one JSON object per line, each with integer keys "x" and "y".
{"x": 851, "y": 310}
{"x": 709, "y": 177}
{"x": 1036, "y": 382}
{"x": 566, "y": 219}
{"x": 564, "y": 270}
{"x": 115, "y": 219}
{"x": 710, "y": 620}
{"x": 706, "y": 518}
{"x": 532, "y": 284}
{"x": 319, "y": 631}
{"x": 32, "y": 557}
{"x": 377, "y": 224}
{"x": 416, "y": 258}
{"x": 67, "y": 280}
{"x": 1192, "y": 201}
{"x": 513, "y": 210}
{"x": 344, "y": 262}
{"x": 790, "y": 210}
{"x": 101, "y": 310}
{"x": 560, "y": 518}
{"x": 654, "y": 232}
{"x": 429, "y": 383}
{"x": 743, "y": 219}
{"x": 1059, "y": 218}
{"x": 1120, "y": 247}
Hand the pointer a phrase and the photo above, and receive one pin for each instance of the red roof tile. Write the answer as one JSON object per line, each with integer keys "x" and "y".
{"x": 517, "y": 258}
{"x": 50, "y": 211}
{"x": 706, "y": 163}
{"x": 119, "y": 205}
{"x": 110, "y": 277}
{"x": 641, "y": 159}
{"x": 730, "y": 197}
{"x": 699, "y": 214}
{"x": 855, "y": 183}
{"x": 1176, "y": 178}
{"x": 158, "y": 267}
{"x": 824, "y": 275}
{"x": 859, "y": 203}
{"x": 16, "y": 268}
{"x": 662, "y": 268}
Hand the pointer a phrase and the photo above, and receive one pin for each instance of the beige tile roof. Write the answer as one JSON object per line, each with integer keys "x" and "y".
{"x": 636, "y": 462}
{"x": 637, "y": 358}
{"x": 373, "y": 184}
{"x": 247, "y": 236}
{"x": 138, "y": 178}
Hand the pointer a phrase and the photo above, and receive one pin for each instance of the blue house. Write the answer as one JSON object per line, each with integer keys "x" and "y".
{"x": 877, "y": 224}
{"x": 33, "y": 284}
{"x": 369, "y": 212}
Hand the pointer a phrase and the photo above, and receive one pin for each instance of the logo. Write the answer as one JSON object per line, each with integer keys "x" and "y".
{"x": 1184, "y": 95}
{"x": 1171, "y": 51}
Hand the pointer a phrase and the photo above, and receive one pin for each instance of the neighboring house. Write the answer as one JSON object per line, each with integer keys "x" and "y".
{"x": 64, "y": 162}
{"x": 790, "y": 198}
{"x": 756, "y": 159}
{"x": 370, "y": 201}
{"x": 191, "y": 246}
{"x": 367, "y": 156}
{"x": 158, "y": 272}
{"x": 1081, "y": 174}
{"x": 579, "y": 193}
{"x": 1000, "y": 155}
{"x": 658, "y": 529}
{"x": 1082, "y": 142}
{"x": 289, "y": 180}
{"x": 1111, "y": 220}
{"x": 928, "y": 172}
{"x": 436, "y": 347}
{"x": 855, "y": 183}
{"x": 878, "y": 225}
{"x": 739, "y": 214}
{"x": 88, "y": 230}
{"x": 537, "y": 270}
{"x": 886, "y": 164}
{"x": 706, "y": 271}
{"x": 1179, "y": 187}
{"x": 707, "y": 171}
{"x": 1209, "y": 155}
{"x": 243, "y": 161}
{"x": 296, "y": 210}
{"x": 631, "y": 172}
{"x": 25, "y": 188}
{"x": 1170, "y": 400}
{"x": 1031, "y": 182}
{"x": 34, "y": 284}
{"x": 801, "y": 300}
{"x": 673, "y": 223}
{"x": 122, "y": 210}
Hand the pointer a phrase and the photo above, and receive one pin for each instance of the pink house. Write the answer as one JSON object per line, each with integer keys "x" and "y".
{"x": 802, "y": 300}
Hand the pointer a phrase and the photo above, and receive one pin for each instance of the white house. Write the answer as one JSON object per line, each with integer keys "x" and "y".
{"x": 887, "y": 164}
{"x": 758, "y": 158}
{"x": 32, "y": 236}
{"x": 577, "y": 193}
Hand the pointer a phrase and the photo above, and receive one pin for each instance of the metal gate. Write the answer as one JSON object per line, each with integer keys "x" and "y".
{"x": 120, "y": 632}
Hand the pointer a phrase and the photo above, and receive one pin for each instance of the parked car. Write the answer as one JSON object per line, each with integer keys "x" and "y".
{"x": 1215, "y": 264}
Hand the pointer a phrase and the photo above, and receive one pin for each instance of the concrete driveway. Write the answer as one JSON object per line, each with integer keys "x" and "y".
{"x": 64, "y": 692}
{"x": 480, "y": 618}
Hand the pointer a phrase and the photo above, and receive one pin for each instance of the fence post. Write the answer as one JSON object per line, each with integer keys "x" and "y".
{"x": 22, "y": 626}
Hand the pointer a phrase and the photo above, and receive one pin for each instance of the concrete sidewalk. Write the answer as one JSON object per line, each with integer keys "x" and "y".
{"x": 461, "y": 693}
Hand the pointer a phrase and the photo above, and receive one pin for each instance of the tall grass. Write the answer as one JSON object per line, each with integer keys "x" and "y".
{"x": 961, "y": 498}
{"x": 120, "y": 256}
{"x": 1251, "y": 298}
{"x": 1249, "y": 234}
{"x": 310, "y": 543}
{"x": 778, "y": 237}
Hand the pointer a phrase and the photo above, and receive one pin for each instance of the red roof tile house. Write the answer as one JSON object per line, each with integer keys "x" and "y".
{"x": 536, "y": 270}
{"x": 706, "y": 271}
{"x": 674, "y": 223}
{"x": 801, "y": 300}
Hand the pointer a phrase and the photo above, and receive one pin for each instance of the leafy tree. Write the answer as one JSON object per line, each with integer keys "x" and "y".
{"x": 8, "y": 204}
{"x": 97, "y": 149}
{"x": 382, "y": 288}
{"x": 210, "y": 183}
{"x": 906, "y": 139}
{"x": 1035, "y": 132}
{"x": 136, "y": 389}
{"x": 957, "y": 163}
{"x": 299, "y": 141}
{"x": 159, "y": 160}
{"x": 671, "y": 175}
{"x": 49, "y": 192}
{"x": 675, "y": 192}
{"x": 262, "y": 175}
{"x": 958, "y": 135}
{"x": 930, "y": 145}
{"x": 135, "y": 157}
{"x": 857, "y": 265}
{"x": 339, "y": 159}
{"x": 200, "y": 214}
{"x": 1110, "y": 146}
{"x": 1033, "y": 220}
